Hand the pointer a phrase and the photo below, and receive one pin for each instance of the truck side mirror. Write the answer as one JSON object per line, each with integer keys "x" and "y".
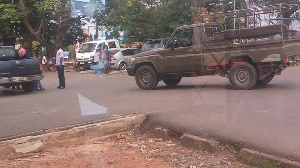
{"x": 172, "y": 46}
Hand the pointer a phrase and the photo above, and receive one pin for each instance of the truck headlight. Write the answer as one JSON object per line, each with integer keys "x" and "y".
{"x": 132, "y": 60}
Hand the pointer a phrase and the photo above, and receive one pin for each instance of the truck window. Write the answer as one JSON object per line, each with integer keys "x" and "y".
{"x": 182, "y": 38}
{"x": 112, "y": 44}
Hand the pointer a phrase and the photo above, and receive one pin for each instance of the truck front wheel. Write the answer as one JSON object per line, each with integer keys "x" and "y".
{"x": 172, "y": 81}
{"x": 242, "y": 76}
{"x": 28, "y": 87}
{"x": 146, "y": 77}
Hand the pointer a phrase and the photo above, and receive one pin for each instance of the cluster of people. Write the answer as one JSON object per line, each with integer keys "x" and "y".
{"x": 101, "y": 59}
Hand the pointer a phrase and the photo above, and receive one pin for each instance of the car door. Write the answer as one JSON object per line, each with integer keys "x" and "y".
{"x": 179, "y": 55}
{"x": 127, "y": 54}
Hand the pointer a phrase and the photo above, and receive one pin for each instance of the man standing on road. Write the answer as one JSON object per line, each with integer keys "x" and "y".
{"x": 60, "y": 64}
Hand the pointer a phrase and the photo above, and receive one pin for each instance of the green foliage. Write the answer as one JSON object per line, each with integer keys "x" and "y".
{"x": 45, "y": 21}
{"x": 273, "y": 165}
{"x": 147, "y": 18}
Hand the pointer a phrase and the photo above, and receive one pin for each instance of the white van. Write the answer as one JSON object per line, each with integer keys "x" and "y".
{"x": 85, "y": 54}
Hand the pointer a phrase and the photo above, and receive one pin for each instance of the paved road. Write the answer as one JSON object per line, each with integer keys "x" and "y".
{"x": 265, "y": 118}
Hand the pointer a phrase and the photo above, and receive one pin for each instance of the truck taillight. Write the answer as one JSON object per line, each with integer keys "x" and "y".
{"x": 112, "y": 58}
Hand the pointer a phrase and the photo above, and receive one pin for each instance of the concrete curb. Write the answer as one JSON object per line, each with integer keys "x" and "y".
{"x": 255, "y": 158}
{"x": 30, "y": 144}
{"x": 191, "y": 141}
{"x": 247, "y": 156}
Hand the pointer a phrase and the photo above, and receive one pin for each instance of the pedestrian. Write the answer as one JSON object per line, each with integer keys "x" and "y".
{"x": 44, "y": 62}
{"x": 105, "y": 57}
{"x": 60, "y": 65}
{"x": 25, "y": 52}
{"x": 38, "y": 86}
{"x": 98, "y": 63}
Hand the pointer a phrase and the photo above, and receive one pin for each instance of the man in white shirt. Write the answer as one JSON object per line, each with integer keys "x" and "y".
{"x": 60, "y": 64}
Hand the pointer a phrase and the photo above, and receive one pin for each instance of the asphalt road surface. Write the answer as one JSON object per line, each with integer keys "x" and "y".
{"x": 266, "y": 118}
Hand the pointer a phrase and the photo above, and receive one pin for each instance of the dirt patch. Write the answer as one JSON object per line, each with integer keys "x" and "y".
{"x": 123, "y": 150}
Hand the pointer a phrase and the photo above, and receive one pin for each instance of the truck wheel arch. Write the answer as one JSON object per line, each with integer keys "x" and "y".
{"x": 138, "y": 65}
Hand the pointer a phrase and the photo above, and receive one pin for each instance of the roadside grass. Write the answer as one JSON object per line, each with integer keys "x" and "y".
{"x": 271, "y": 165}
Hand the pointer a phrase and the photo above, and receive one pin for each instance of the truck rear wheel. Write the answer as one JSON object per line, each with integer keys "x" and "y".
{"x": 146, "y": 77}
{"x": 266, "y": 80}
{"x": 172, "y": 81}
{"x": 242, "y": 76}
{"x": 28, "y": 87}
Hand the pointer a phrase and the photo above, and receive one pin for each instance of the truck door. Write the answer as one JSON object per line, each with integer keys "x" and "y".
{"x": 178, "y": 56}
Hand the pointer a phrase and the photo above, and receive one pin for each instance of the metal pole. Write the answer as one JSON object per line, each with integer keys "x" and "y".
{"x": 234, "y": 14}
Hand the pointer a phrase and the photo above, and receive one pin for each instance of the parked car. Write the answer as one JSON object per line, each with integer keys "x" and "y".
{"x": 121, "y": 59}
{"x": 154, "y": 44}
{"x": 85, "y": 55}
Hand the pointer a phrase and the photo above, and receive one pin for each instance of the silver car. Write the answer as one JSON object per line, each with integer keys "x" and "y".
{"x": 121, "y": 59}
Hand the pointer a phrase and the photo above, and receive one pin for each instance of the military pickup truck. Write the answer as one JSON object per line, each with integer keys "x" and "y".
{"x": 16, "y": 71}
{"x": 246, "y": 56}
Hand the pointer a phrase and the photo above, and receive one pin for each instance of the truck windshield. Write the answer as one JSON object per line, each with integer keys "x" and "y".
{"x": 153, "y": 44}
{"x": 7, "y": 53}
{"x": 89, "y": 47}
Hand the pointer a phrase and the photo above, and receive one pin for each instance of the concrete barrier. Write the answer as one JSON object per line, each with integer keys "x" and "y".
{"x": 34, "y": 143}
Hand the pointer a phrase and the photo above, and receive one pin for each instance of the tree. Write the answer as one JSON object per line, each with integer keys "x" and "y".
{"x": 47, "y": 21}
{"x": 148, "y": 18}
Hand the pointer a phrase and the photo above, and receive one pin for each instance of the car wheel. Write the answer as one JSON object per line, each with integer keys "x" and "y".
{"x": 242, "y": 76}
{"x": 122, "y": 66}
{"x": 28, "y": 87}
{"x": 266, "y": 80}
{"x": 172, "y": 81}
{"x": 146, "y": 77}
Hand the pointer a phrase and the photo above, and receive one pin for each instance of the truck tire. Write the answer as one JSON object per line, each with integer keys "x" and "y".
{"x": 266, "y": 80}
{"x": 28, "y": 87}
{"x": 172, "y": 81}
{"x": 242, "y": 76}
{"x": 146, "y": 77}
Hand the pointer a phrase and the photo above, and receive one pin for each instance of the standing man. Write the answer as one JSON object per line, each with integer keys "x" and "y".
{"x": 60, "y": 64}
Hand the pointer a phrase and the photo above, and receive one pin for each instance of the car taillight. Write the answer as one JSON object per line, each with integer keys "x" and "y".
{"x": 112, "y": 58}
{"x": 299, "y": 56}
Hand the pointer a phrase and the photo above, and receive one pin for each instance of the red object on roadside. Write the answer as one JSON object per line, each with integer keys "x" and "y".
{"x": 112, "y": 58}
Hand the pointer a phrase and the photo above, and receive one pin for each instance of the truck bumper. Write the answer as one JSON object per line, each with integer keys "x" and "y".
{"x": 130, "y": 71}
{"x": 21, "y": 79}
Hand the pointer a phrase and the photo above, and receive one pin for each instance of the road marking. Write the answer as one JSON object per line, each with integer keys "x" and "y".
{"x": 88, "y": 107}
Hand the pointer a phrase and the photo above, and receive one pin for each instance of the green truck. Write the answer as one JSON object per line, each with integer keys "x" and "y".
{"x": 248, "y": 56}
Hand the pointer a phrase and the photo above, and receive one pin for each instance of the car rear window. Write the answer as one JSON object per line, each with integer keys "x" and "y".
{"x": 7, "y": 52}
{"x": 129, "y": 52}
